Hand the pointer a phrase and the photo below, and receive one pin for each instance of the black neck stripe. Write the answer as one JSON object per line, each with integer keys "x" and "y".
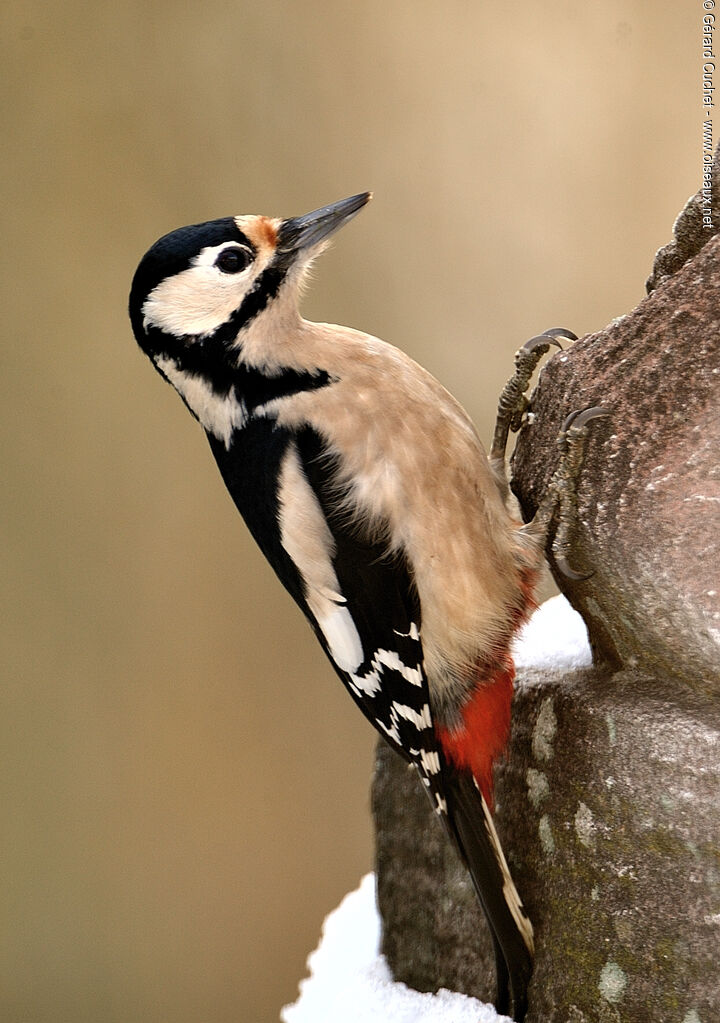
{"x": 214, "y": 356}
{"x": 210, "y": 359}
{"x": 256, "y": 389}
{"x": 266, "y": 289}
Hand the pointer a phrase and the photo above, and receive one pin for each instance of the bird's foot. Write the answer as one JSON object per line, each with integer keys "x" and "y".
{"x": 514, "y": 403}
{"x": 560, "y": 498}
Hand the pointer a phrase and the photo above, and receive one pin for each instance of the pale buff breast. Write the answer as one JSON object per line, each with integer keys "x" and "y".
{"x": 412, "y": 458}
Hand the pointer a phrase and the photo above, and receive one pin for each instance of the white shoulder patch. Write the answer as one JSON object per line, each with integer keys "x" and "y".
{"x": 342, "y": 638}
{"x": 305, "y": 535}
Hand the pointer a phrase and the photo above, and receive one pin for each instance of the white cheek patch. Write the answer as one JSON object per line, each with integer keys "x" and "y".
{"x": 201, "y": 298}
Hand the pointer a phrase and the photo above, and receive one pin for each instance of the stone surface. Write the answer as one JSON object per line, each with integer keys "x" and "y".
{"x": 649, "y": 516}
{"x": 608, "y": 809}
{"x": 690, "y": 231}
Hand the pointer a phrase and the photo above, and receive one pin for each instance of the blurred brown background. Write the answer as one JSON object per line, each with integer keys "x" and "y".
{"x": 184, "y": 782}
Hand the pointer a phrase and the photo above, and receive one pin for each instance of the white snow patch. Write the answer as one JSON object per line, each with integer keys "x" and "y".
{"x": 350, "y": 981}
{"x": 555, "y": 637}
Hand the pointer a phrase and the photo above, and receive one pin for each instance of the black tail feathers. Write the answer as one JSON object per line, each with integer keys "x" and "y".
{"x": 471, "y": 825}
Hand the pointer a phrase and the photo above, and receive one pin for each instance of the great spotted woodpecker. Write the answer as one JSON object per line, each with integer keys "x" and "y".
{"x": 368, "y": 490}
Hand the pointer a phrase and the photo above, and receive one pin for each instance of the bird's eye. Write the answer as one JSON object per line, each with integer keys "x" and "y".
{"x": 233, "y": 261}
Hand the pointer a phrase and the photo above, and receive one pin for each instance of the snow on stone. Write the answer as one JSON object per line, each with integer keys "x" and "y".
{"x": 555, "y": 637}
{"x": 349, "y": 980}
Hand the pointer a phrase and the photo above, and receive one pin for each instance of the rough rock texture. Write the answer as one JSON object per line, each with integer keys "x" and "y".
{"x": 649, "y": 516}
{"x": 608, "y": 808}
{"x": 609, "y": 801}
{"x": 649, "y": 524}
{"x": 690, "y": 231}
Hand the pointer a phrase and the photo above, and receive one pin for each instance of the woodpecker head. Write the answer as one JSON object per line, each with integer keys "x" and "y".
{"x": 199, "y": 288}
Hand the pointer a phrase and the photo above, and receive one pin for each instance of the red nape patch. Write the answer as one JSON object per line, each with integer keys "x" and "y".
{"x": 484, "y": 733}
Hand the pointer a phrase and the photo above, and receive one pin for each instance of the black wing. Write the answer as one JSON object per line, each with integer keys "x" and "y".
{"x": 381, "y": 662}
{"x": 359, "y": 599}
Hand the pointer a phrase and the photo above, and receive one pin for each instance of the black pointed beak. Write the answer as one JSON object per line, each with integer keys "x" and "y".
{"x": 300, "y": 233}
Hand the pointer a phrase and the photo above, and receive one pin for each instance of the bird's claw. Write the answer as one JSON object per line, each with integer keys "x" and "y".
{"x": 547, "y": 338}
{"x": 560, "y": 497}
{"x": 556, "y": 332}
{"x": 579, "y": 419}
{"x": 565, "y": 569}
{"x": 513, "y": 405}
